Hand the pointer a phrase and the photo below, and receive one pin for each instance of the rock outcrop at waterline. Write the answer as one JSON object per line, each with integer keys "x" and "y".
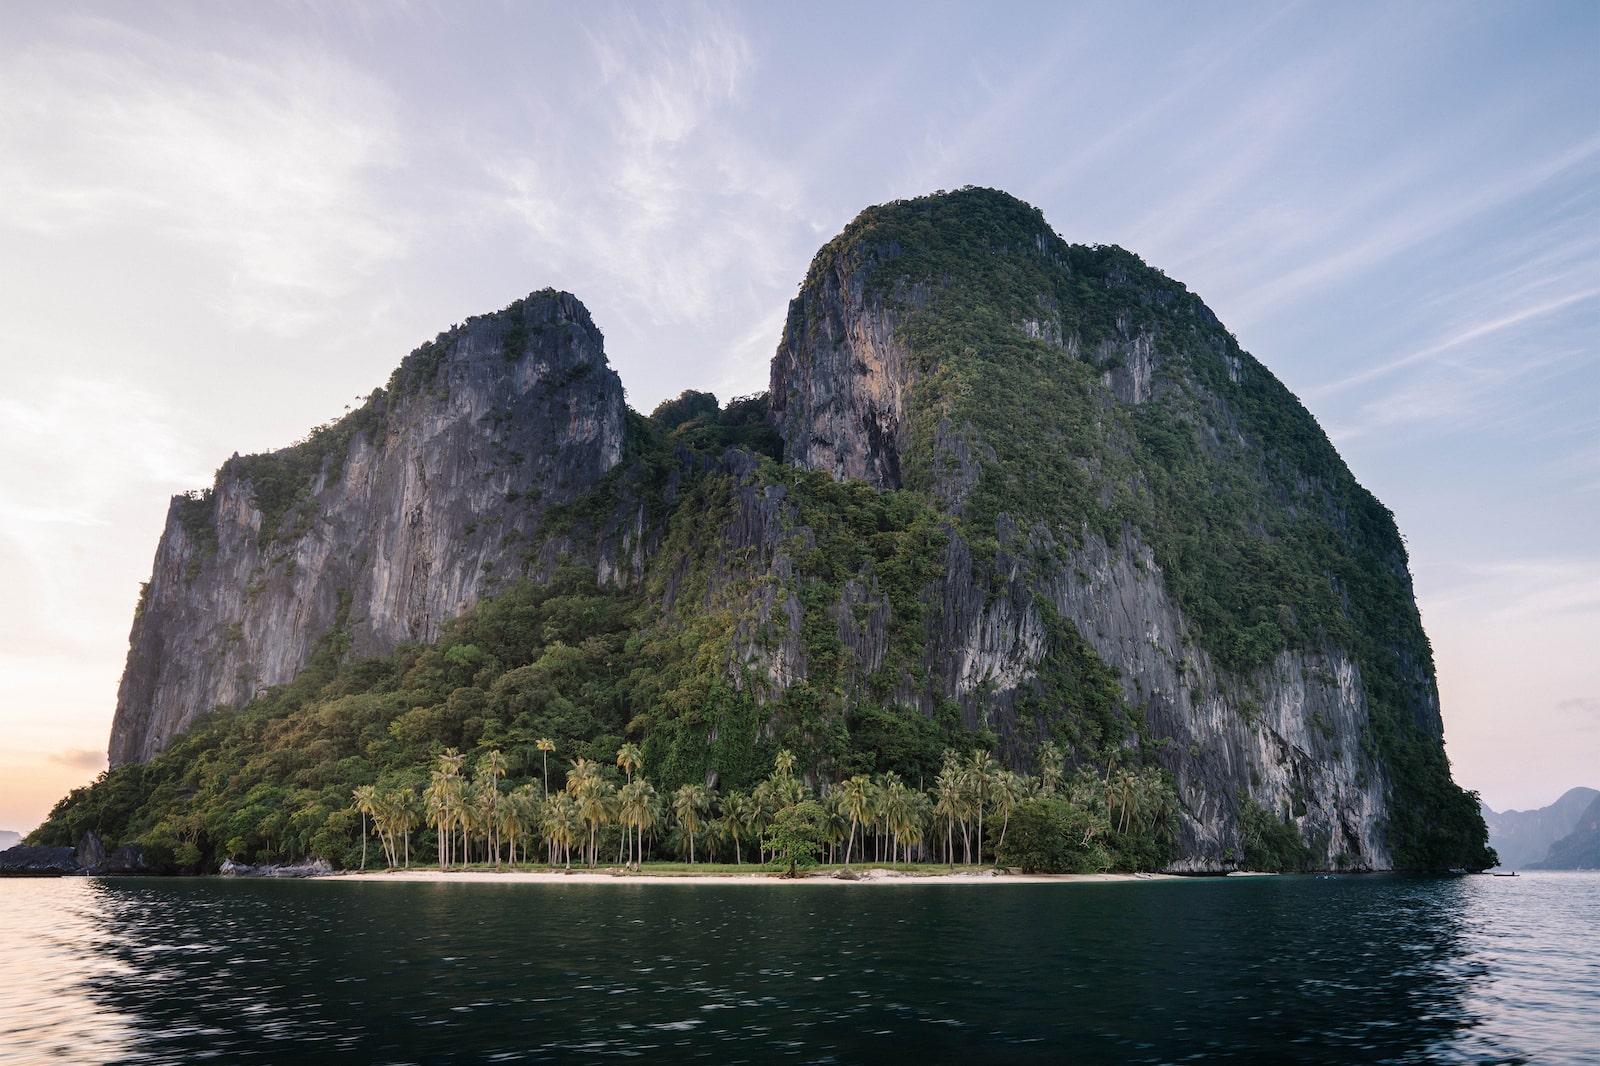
{"x": 89, "y": 858}
{"x": 1068, "y": 507}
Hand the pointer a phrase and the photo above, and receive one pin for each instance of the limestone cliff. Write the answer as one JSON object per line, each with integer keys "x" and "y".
{"x": 1077, "y": 415}
{"x": 1003, "y": 490}
{"x": 378, "y": 528}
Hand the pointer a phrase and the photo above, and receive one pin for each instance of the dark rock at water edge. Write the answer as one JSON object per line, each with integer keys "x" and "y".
{"x": 90, "y": 858}
{"x": 26, "y": 861}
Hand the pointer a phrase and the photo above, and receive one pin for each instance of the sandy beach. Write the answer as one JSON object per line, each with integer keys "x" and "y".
{"x": 758, "y": 877}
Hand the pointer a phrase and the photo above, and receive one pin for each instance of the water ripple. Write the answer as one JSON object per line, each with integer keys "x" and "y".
{"x": 1376, "y": 969}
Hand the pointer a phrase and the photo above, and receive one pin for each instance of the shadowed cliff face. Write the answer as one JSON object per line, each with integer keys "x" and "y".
{"x": 428, "y": 499}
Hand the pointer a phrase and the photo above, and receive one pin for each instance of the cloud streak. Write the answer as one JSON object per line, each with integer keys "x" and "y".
{"x": 266, "y": 163}
{"x": 80, "y": 758}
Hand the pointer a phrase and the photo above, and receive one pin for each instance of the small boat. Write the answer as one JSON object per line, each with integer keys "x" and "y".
{"x": 1513, "y": 873}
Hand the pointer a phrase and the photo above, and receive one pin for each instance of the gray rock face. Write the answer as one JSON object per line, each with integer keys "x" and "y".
{"x": 1289, "y": 736}
{"x": 427, "y": 504}
{"x": 839, "y": 382}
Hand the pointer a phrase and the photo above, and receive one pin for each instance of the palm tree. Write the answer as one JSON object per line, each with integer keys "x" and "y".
{"x": 896, "y": 811}
{"x": 858, "y": 804}
{"x": 633, "y": 801}
{"x": 647, "y": 814}
{"x": 398, "y": 812}
{"x": 980, "y": 780}
{"x": 689, "y": 803}
{"x": 366, "y": 801}
{"x": 593, "y": 794}
{"x": 389, "y": 814}
{"x": 919, "y": 818}
{"x": 732, "y": 821}
{"x": 629, "y": 759}
{"x": 952, "y": 804}
{"x": 514, "y": 818}
{"x": 449, "y": 801}
{"x": 758, "y": 815}
{"x": 493, "y": 768}
{"x": 546, "y": 746}
{"x": 561, "y": 825}
{"x": 835, "y": 822}
{"x": 1007, "y": 787}
{"x": 1049, "y": 760}
{"x": 441, "y": 799}
{"x": 784, "y": 791}
{"x": 783, "y": 763}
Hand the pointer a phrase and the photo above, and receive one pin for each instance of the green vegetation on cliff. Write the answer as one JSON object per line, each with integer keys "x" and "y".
{"x": 539, "y": 686}
{"x": 1263, "y": 537}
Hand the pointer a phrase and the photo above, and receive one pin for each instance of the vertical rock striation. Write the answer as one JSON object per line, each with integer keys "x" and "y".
{"x": 376, "y": 529}
{"x": 1068, "y": 501}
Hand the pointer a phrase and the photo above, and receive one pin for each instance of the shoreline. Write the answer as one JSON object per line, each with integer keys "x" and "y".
{"x": 612, "y": 875}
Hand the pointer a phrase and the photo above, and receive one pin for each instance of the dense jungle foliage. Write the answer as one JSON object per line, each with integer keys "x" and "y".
{"x": 536, "y": 687}
{"x": 552, "y": 679}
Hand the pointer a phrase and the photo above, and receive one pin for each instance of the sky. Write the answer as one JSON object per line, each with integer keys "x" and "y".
{"x": 222, "y": 223}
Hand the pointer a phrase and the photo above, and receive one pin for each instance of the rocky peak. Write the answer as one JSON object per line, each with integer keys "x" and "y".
{"x": 840, "y": 378}
{"x": 379, "y": 527}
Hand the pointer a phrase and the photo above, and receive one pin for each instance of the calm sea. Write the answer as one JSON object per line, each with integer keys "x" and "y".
{"x": 1360, "y": 969}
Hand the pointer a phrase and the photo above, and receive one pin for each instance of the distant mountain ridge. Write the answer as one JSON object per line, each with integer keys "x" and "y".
{"x": 1579, "y": 849}
{"x": 1522, "y": 838}
{"x": 8, "y": 839}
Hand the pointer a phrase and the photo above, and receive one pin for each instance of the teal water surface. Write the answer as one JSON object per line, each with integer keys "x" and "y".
{"x": 1302, "y": 969}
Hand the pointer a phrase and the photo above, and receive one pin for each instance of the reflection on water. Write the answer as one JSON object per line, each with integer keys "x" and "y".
{"x": 48, "y": 968}
{"x": 1268, "y": 969}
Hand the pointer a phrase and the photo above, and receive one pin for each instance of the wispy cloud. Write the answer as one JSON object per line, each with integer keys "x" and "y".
{"x": 644, "y": 192}
{"x": 81, "y": 457}
{"x": 80, "y": 759}
{"x": 1518, "y": 591}
{"x": 1408, "y": 222}
{"x": 265, "y": 162}
{"x": 69, "y": 444}
{"x": 1458, "y": 338}
{"x": 650, "y": 195}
